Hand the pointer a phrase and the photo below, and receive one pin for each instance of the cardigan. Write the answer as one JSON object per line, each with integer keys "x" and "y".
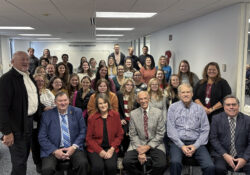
{"x": 94, "y": 136}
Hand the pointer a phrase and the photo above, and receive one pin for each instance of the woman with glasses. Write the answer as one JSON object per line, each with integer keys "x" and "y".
{"x": 210, "y": 91}
{"x": 56, "y": 85}
{"x": 139, "y": 85}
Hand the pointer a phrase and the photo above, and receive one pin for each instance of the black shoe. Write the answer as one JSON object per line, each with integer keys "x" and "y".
{"x": 39, "y": 168}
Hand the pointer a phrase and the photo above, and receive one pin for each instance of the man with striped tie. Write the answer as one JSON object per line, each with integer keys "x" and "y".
{"x": 61, "y": 136}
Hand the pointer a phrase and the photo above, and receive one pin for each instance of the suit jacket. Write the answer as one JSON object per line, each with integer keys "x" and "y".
{"x": 220, "y": 135}
{"x": 50, "y": 130}
{"x": 156, "y": 129}
{"x": 14, "y": 103}
{"x": 122, "y": 58}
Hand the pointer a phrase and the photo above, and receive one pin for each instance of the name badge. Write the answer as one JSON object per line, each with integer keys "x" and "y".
{"x": 207, "y": 100}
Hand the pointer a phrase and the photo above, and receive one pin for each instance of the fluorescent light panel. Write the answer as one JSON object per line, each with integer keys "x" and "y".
{"x": 124, "y": 15}
{"x": 47, "y": 38}
{"x": 113, "y": 28}
{"x": 16, "y": 28}
{"x": 106, "y": 39}
{"x": 34, "y": 34}
{"x": 110, "y": 35}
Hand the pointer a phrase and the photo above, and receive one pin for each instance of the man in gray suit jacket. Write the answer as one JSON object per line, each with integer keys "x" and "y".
{"x": 146, "y": 133}
{"x": 230, "y": 138}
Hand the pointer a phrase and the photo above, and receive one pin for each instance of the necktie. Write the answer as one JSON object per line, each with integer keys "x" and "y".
{"x": 65, "y": 132}
{"x": 145, "y": 124}
{"x": 232, "y": 131}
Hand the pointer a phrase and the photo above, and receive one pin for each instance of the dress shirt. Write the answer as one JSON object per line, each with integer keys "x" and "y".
{"x": 187, "y": 124}
{"x": 31, "y": 92}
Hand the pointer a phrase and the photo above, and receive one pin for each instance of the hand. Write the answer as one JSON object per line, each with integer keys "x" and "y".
{"x": 59, "y": 154}
{"x": 102, "y": 154}
{"x": 240, "y": 163}
{"x": 123, "y": 122}
{"x": 210, "y": 110}
{"x": 229, "y": 159}
{"x": 192, "y": 150}
{"x": 69, "y": 151}
{"x": 109, "y": 153}
{"x": 142, "y": 149}
{"x": 207, "y": 111}
{"x": 139, "y": 64}
{"x": 8, "y": 140}
{"x": 142, "y": 158}
{"x": 186, "y": 150}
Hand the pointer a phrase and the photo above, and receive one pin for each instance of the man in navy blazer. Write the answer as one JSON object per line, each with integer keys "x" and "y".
{"x": 51, "y": 137}
{"x": 230, "y": 156}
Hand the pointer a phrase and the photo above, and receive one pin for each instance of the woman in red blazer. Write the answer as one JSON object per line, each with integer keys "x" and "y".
{"x": 104, "y": 135}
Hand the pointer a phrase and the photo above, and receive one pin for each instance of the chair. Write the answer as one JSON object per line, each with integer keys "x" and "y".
{"x": 190, "y": 162}
{"x": 64, "y": 167}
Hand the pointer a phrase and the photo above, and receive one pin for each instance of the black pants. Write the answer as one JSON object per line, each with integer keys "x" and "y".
{"x": 133, "y": 166}
{"x": 221, "y": 167}
{"x": 19, "y": 151}
{"x": 78, "y": 160}
{"x": 98, "y": 164}
{"x": 35, "y": 147}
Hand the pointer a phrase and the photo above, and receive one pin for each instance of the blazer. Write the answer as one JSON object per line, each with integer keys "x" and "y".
{"x": 49, "y": 135}
{"x": 94, "y": 136}
{"x": 91, "y": 105}
{"x": 122, "y": 58}
{"x": 14, "y": 103}
{"x": 156, "y": 129}
{"x": 220, "y": 135}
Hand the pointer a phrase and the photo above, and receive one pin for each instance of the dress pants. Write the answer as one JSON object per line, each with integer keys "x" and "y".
{"x": 201, "y": 155}
{"x": 98, "y": 164}
{"x": 35, "y": 147}
{"x": 78, "y": 160}
{"x": 19, "y": 151}
{"x": 221, "y": 167}
{"x": 133, "y": 167}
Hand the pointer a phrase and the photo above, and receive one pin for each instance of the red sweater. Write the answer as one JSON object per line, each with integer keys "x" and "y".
{"x": 95, "y": 131}
{"x": 147, "y": 74}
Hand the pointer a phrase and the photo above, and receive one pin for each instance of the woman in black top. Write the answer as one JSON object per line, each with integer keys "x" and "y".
{"x": 210, "y": 91}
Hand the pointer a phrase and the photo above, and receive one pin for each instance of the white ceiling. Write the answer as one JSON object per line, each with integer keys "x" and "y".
{"x": 70, "y": 19}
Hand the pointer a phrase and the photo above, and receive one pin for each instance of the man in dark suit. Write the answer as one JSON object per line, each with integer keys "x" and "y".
{"x": 19, "y": 101}
{"x": 146, "y": 131}
{"x": 117, "y": 55}
{"x": 230, "y": 138}
{"x": 61, "y": 136}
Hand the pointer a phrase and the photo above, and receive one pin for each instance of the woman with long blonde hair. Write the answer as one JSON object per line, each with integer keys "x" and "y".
{"x": 157, "y": 99}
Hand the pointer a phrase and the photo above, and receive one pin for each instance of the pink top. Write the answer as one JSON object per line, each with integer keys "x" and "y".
{"x": 147, "y": 74}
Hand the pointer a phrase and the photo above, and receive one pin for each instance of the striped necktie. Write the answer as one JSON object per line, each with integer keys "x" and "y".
{"x": 65, "y": 132}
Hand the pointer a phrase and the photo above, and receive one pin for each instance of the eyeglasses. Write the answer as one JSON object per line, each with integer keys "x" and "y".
{"x": 231, "y": 104}
{"x": 57, "y": 82}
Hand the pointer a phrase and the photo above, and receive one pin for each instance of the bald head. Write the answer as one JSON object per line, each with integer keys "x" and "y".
{"x": 20, "y": 61}
{"x": 143, "y": 99}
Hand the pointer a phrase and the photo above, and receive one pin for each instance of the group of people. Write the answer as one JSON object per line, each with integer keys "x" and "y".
{"x": 126, "y": 108}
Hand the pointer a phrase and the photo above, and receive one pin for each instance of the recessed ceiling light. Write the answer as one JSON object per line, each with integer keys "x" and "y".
{"x": 110, "y": 28}
{"x": 109, "y": 35}
{"x": 124, "y": 15}
{"x": 47, "y": 38}
{"x": 34, "y": 34}
{"x": 106, "y": 39}
{"x": 15, "y": 28}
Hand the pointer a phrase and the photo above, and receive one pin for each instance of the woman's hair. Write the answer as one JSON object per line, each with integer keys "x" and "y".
{"x": 38, "y": 68}
{"x": 98, "y": 76}
{"x": 189, "y": 73}
{"x": 205, "y": 76}
{"x": 159, "y": 62}
{"x": 158, "y": 92}
{"x": 114, "y": 70}
{"x": 48, "y": 52}
{"x": 105, "y": 99}
{"x": 170, "y": 88}
{"x": 45, "y": 59}
{"x": 91, "y": 59}
{"x": 102, "y": 62}
{"x": 44, "y": 79}
{"x": 65, "y": 77}
{"x": 131, "y": 69}
{"x": 132, "y": 96}
{"x": 70, "y": 88}
{"x": 90, "y": 74}
{"x": 52, "y": 80}
{"x": 151, "y": 66}
{"x": 102, "y": 80}
{"x": 164, "y": 78}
